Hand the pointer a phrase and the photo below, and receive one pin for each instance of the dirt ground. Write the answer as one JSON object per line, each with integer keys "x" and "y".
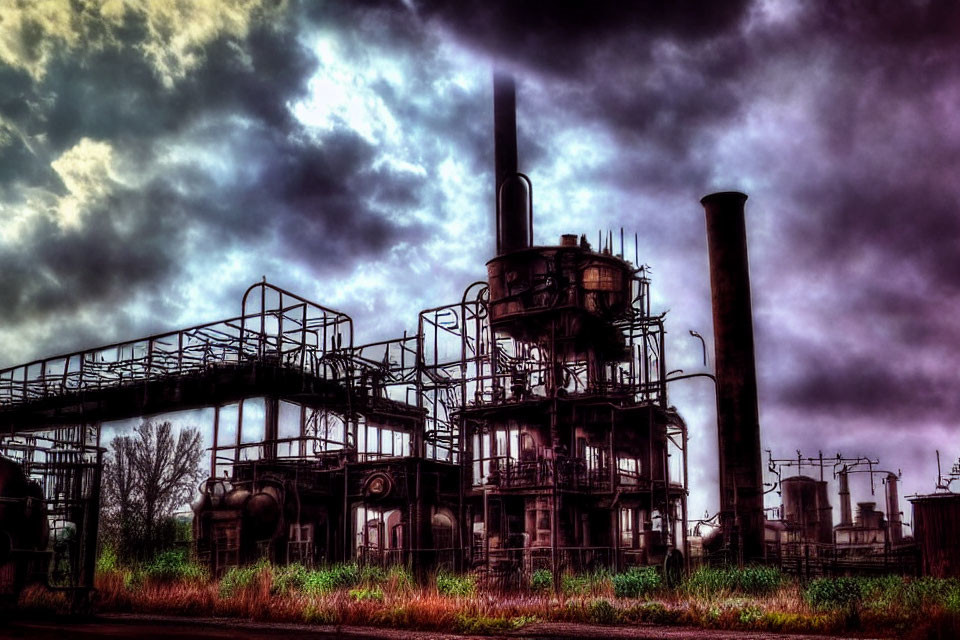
{"x": 157, "y": 627}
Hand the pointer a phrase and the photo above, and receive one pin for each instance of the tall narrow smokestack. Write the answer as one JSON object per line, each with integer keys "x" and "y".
{"x": 741, "y": 479}
{"x": 846, "y": 515}
{"x": 893, "y": 511}
{"x": 511, "y": 194}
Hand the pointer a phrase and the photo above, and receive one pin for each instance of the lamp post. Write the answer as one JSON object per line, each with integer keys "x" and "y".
{"x": 703, "y": 343}
{"x": 686, "y": 473}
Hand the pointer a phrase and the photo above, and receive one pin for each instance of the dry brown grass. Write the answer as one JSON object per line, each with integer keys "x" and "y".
{"x": 395, "y": 602}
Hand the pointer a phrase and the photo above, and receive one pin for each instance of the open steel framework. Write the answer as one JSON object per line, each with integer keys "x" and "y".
{"x": 324, "y": 416}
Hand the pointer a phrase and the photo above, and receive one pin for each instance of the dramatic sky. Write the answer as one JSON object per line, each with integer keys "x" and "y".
{"x": 157, "y": 157}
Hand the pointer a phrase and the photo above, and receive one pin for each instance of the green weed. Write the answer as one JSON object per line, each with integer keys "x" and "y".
{"x": 362, "y": 594}
{"x": 456, "y": 586}
{"x": 834, "y": 593}
{"x": 541, "y": 581}
{"x": 636, "y": 582}
{"x": 487, "y": 625}
{"x": 174, "y": 565}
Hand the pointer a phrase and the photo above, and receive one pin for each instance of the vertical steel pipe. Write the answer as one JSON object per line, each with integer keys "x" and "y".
{"x": 510, "y": 192}
{"x": 741, "y": 479}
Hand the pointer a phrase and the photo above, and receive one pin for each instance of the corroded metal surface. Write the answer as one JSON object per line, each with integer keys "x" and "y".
{"x": 741, "y": 480}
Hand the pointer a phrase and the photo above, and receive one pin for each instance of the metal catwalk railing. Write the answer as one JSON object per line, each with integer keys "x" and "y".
{"x": 275, "y": 326}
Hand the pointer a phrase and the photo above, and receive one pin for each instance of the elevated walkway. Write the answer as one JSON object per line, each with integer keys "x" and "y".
{"x": 281, "y": 343}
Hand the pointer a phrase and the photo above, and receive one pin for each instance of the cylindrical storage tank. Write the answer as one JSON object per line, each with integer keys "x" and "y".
{"x": 263, "y": 512}
{"x": 606, "y": 284}
{"x": 868, "y": 517}
{"x": 799, "y": 495}
{"x": 936, "y": 529}
{"x": 741, "y": 468}
{"x": 824, "y": 514}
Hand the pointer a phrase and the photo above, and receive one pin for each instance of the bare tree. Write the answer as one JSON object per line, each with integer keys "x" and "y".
{"x": 147, "y": 476}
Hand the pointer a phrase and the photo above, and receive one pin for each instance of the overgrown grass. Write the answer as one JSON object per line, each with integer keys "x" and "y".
{"x": 581, "y": 584}
{"x": 756, "y": 598}
{"x": 636, "y": 582}
{"x": 886, "y": 593}
{"x": 456, "y": 586}
{"x": 709, "y": 582}
{"x": 175, "y": 565}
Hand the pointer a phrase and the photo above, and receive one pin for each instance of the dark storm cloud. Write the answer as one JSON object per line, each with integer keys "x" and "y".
{"x": 109, "y": 90}
{"x": 863, "y": 189}
{"x": 656, "y": 73}
{"x": 125, "y": 244}
{"x": 323, "y": 195}
{"x": 874, "y": 218}
{"x": 321, "y": 200}
{"x": 563, "y": 38}
{"x": 850, "y": 387}
{"x": 837, "y": 117}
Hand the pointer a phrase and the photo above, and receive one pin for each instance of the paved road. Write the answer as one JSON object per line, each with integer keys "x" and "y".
{"x": 162, "y": 627}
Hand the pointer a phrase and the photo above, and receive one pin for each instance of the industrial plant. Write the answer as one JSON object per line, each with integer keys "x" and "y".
{"x": 526, "y": 426}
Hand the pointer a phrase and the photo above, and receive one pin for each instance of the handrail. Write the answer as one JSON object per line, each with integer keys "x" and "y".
{"x": 302, "y": 340}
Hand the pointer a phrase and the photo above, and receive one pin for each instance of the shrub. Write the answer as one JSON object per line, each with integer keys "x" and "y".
{"x": 750, "y": 615}
{"x": 636, "y": 582}
{"x": 926, "y": 592}
{"x": 758, "y": 580}
{"x": 486, "y": 625}
{"x": 832, "y": 593}
{"x": 291, "y": 577}
{"x": 574, "y": 585}
{"x": 882, "y": 593}
{"x": 541, "y": 581}
{"x": 373, "y": 575}
{"x": 952, "y": 601}
{"x": 455, "y": 586}
{"x": 174, "y": 565}
{"x": 108, "y": 560}
{"x": 602, "y": 612}
{"x": 339, "y": 576}
{"x": 708, "y": 581}
{"x": 345, "y": 575}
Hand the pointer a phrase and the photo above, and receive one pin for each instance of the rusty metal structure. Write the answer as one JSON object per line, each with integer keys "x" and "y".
{"x": 738, "y": 423}
{"x": 802, "y": 536}
{"x": 936, "y": 526}
{"x": 525, "y": 426}
{"x": 49, "y": 507}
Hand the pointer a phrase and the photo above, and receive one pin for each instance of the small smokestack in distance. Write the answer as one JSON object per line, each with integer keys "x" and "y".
{"x": 846, "y": 516}
{"x": 894, "y": 525}
{"x": 741, "y": 475}
{"x": 510, "y": 194}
